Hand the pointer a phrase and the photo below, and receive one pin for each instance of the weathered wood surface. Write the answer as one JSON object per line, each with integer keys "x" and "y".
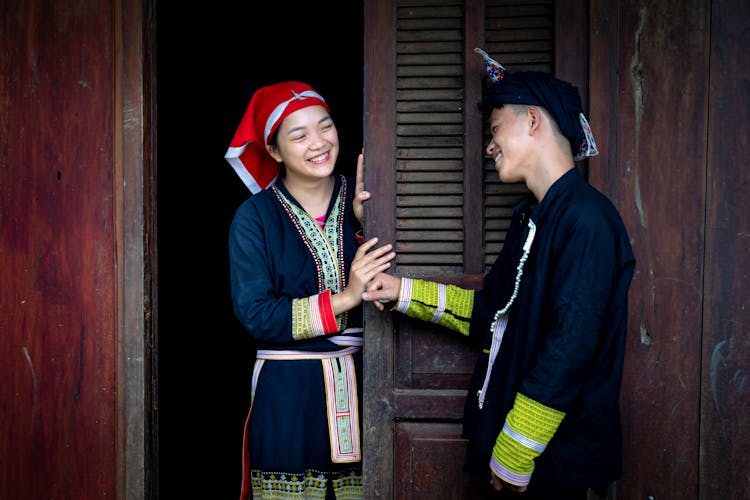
{"x": 649, "y": 88}
{"x": 725, "y": 361}
{"x": 379, "y": 123}
{"x": 57, "y": 251}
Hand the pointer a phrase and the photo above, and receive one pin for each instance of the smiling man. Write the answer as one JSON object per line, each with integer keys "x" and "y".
{"x": 542, "y": 413}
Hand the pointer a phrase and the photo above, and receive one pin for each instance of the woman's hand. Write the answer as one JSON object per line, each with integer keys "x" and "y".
{"x": 365, "y": 266}
{"x": 360, "y": 195}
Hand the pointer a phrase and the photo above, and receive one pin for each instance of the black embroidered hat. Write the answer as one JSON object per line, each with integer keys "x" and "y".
{"x": 535, "y": 88}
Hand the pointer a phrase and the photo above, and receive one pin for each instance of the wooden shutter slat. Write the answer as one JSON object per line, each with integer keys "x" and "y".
{"x": 426, "y": 177}
{"x": 427, "y": 201}
{"x": 427, "y": 212}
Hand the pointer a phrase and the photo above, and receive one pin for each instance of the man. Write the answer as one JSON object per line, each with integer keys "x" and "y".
{"x": 542, "y": 412}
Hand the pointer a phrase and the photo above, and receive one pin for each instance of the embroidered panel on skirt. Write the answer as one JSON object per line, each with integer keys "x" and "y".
{"x": 343, "y": 411}
{"x": 312, "y": 484}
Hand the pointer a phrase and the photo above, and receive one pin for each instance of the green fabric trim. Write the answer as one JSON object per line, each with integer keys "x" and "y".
{"x": 513, "y": 455}
{"x": 533, "y": 419}
{"x": 458, "y": 305}
{"x": 528, "y": 429}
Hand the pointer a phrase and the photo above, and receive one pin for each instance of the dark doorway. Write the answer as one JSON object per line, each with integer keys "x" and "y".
{"x": 209, "y": 61}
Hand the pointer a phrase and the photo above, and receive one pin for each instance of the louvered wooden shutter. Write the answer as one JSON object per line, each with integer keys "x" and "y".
{"x": 519, "y": 35}
{"x": 449, "y": 206}
{"x": 434, "y": 168}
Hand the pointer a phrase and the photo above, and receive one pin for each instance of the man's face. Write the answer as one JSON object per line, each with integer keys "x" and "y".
{"x": 509, "y": 143}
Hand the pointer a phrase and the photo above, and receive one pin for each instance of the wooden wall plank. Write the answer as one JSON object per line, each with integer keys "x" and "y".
{"x": 57, "y": 252}
{"x": 135, "y": 217}
{"x": 654, "y": 169}
{"x": 473, "y": 254}
{"x": 725, "y": 367}
{"x": 380, "y": 171}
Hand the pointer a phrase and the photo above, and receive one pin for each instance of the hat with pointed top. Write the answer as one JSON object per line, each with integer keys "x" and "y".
{"x": 268, "y": 107}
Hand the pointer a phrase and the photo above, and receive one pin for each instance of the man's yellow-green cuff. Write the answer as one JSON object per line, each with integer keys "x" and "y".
{"x": 528, "y": 429}
{"x": 446, "y": 305}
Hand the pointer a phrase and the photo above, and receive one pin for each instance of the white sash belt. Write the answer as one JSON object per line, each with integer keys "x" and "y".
{"x": 341, "y": 391}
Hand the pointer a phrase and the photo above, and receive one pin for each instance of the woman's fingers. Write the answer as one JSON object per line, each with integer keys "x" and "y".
{"x": 364, "y": 253}
{"x": 368, "y": 263}
{"x": 372, "y": 264}
{"x": 360, "y": 178}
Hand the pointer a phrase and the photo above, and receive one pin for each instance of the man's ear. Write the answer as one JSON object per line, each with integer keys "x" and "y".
{"x": 274, "y": 152}
{"x": 535, "y": 117}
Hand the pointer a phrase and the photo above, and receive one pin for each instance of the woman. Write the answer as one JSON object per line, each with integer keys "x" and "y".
{"x": 298, "y": 272}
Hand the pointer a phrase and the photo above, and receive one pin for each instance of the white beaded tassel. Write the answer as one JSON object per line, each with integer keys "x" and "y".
{"x": 500, "y": 321}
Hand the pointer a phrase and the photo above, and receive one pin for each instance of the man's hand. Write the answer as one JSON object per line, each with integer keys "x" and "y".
{"x": 498, "y": 484}
{"x": 382, "y": 289}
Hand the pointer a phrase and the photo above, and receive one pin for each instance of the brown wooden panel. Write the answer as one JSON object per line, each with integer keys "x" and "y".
{"x": 57, "y": 251}
{"x": 648, "y": 109}
{"x": 135, "y": 213}
{"x": 725, "y": 405}
{"x": 380, "y": 161}
{"x": 429, "y": 357}
{"x": 431, "y": 457}
{"x": 433, "y": 405}
{"x": 473, "y": 254}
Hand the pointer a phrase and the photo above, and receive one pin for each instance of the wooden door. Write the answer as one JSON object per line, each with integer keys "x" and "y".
{"x": 74, "y": 416}
{"x": 439, "y": 201}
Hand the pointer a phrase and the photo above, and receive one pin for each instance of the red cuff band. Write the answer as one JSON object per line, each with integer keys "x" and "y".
{"x": 326, "y": 312}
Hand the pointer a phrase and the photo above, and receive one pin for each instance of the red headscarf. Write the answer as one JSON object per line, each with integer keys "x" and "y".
{"x": 268, "y": 108}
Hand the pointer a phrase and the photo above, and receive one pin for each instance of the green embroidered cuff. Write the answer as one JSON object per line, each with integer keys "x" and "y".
{"x": 447, "y": 305}
{"x": 528, "y": 429}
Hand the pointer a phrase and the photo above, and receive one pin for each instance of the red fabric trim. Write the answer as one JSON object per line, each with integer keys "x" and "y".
{"x": 326, "y": 313}
{"x": 245, "y": 493}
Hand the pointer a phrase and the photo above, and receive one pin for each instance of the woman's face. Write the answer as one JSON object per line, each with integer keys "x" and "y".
{"x": 307, "y": 143}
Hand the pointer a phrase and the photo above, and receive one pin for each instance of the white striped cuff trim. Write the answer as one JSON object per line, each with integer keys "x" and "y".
{"x": 507, "y": 475}
{"x": 527, "y": 442}
{"x": 315, "y": 319}
{"x": 404, "y": 295}
{"x": 441, "y": 303}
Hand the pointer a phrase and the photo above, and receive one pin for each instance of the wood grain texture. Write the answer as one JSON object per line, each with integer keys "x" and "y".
{"x": 649, "y": 64}
{"x": 380, "y": 161}
{"x": 57, "y": 251}
{"x": 725, "y": 365}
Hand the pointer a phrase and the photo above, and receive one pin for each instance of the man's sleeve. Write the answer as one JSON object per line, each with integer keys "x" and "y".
{"x": 528, "y": 429}
{"x": 446, "y": 305}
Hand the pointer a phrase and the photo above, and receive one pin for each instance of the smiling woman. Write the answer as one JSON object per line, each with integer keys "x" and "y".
{"x": 298, "y": 272}
{"x": 205, "y": 356}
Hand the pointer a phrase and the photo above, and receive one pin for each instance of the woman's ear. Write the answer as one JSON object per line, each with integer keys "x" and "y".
{"x": 274, "y": 152}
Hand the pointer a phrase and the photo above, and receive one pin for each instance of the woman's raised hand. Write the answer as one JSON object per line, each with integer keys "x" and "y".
{"x": 360, "y": 195}
{"x": 367, "y": 263}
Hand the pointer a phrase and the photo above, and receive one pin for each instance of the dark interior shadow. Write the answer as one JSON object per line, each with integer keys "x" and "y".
{"x": 209, "y": 61}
